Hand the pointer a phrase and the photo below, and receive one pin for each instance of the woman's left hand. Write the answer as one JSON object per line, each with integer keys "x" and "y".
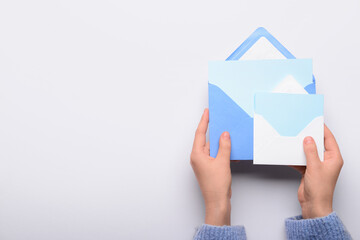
{"x": 213, "y": 174}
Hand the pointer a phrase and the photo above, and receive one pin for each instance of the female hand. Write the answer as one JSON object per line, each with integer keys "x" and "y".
{"x": 318, "y": 181}
{"x": 213, "y": 174}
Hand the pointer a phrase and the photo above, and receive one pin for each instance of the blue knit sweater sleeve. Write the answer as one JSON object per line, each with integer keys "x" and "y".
{"x": 329, "y": 228}
{"x": 325, "y": 228}
{"x": 209, "y": 232}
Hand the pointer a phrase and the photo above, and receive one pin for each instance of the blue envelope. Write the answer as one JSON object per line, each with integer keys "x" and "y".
{"x": 270, "y": 48}
{"x": 232, "y": 85}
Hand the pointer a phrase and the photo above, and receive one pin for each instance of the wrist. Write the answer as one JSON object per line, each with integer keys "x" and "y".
{"x": 316, "y": 210}
{"x": 218, "y": 213}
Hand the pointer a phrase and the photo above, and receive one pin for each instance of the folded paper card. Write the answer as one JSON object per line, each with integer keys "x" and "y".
{"x": 232, "y": 85}
{"x": 281, "y": 122}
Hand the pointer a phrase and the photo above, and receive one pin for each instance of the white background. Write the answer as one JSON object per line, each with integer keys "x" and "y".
{"x": 99, "y": 101}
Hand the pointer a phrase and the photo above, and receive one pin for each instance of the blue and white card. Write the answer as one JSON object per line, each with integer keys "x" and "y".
{"x": 281, "y": 122}
{"x": 232, "y": 85}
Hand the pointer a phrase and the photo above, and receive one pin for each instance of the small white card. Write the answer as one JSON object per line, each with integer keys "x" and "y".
{"x": 281, "y": 122}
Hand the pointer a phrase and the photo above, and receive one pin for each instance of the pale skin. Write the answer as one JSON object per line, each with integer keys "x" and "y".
{"x": 315, "y": 192}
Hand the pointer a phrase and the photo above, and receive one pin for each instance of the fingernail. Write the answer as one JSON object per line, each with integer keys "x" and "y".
{"x": 226, "y": 136}
{"x": 308, "y": 140}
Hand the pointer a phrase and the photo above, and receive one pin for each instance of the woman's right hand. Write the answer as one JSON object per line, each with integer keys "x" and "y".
{"x": 318, "y": 181}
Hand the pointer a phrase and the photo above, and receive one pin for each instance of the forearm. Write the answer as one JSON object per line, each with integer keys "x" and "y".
{"x": 217, "y": 210}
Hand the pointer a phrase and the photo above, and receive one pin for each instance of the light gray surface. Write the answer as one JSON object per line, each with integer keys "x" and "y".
{"x": 99, "y": 101}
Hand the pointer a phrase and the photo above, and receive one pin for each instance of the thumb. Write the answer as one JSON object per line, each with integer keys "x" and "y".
{"x": 311, "y": 153}
{"x": 224, "y": 146}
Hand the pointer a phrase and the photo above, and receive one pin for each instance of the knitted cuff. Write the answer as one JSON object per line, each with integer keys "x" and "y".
{"x": 210, "y": 232}
{"x": 329, "y": 227}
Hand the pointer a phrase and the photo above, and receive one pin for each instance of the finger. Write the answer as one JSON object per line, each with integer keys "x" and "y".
{"x": 224, "y": 147}
{"x": 200, "y": 134}
{"x": 329, "y": 140}
{"x": 331, "y": 147}
{"x": 311, "y": 153}
{"x": 300, "y": 169}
